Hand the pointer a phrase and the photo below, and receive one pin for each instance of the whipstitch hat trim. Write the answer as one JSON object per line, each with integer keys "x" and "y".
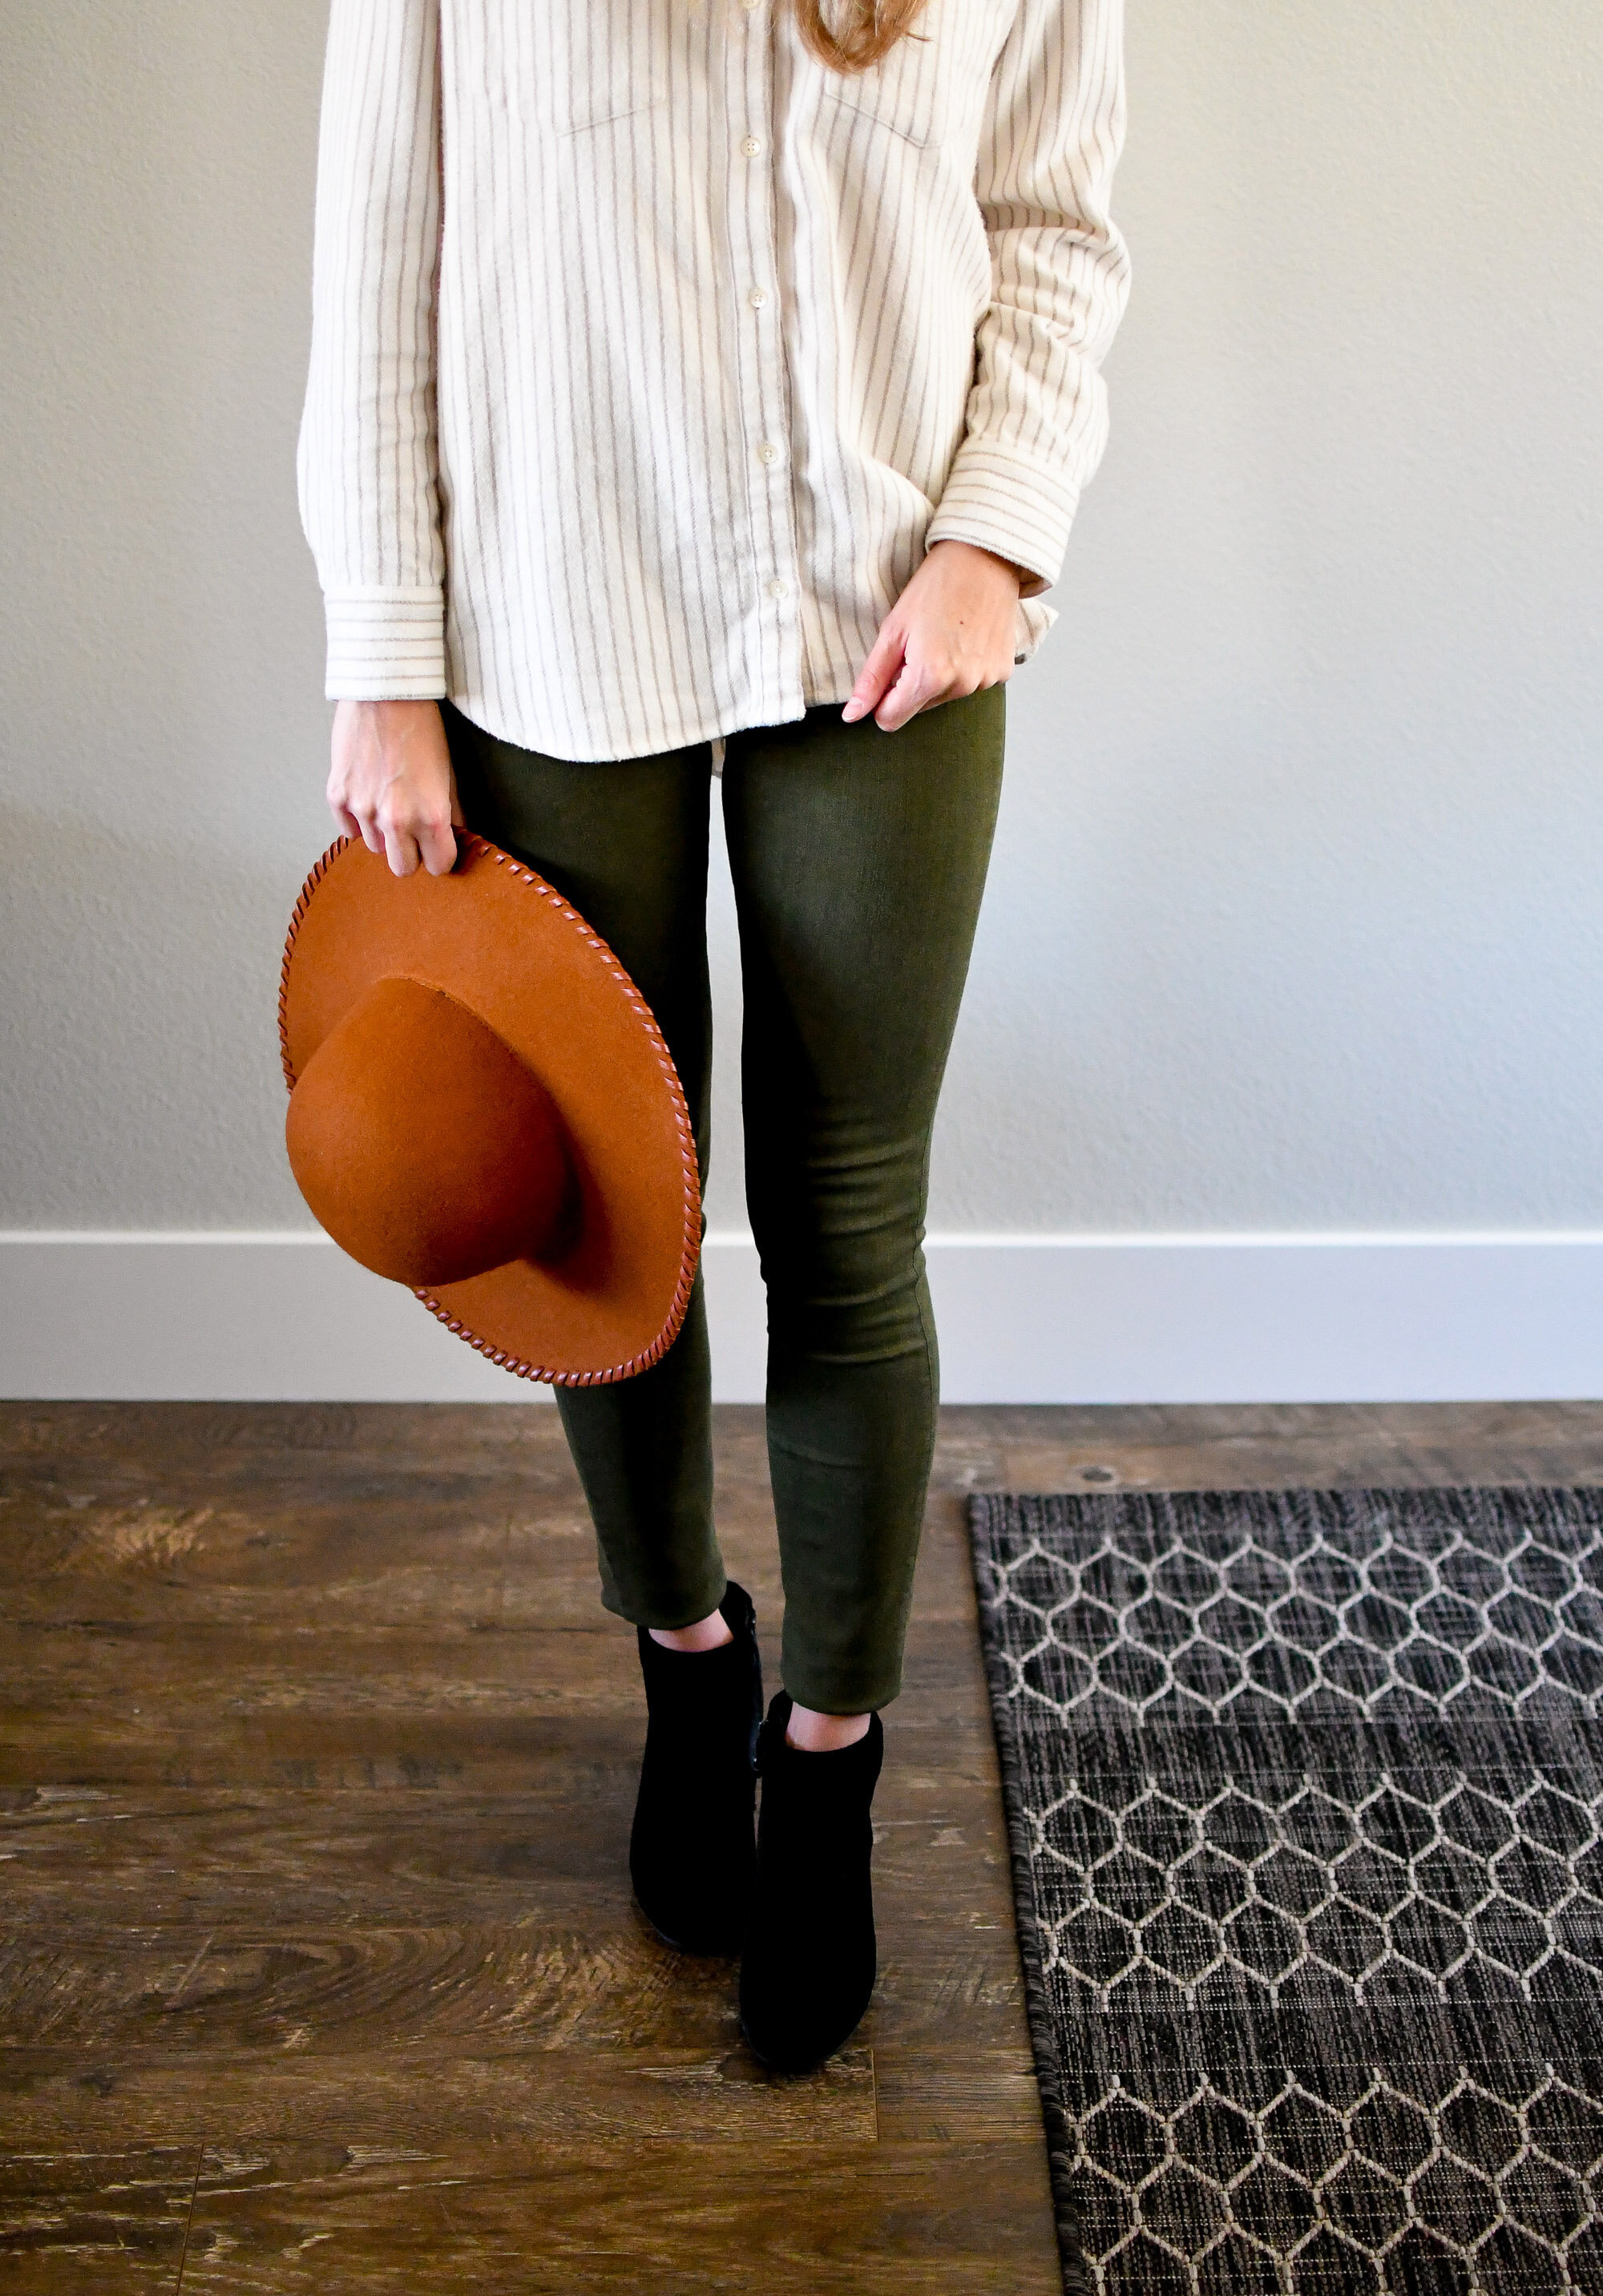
{"x": 691, "y": 1246}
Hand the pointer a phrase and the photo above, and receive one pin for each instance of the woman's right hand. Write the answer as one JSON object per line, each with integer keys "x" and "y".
{"x": 391, "y": 783}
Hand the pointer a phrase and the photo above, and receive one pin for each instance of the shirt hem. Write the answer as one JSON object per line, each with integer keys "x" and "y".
{"x": 715, "y": 728}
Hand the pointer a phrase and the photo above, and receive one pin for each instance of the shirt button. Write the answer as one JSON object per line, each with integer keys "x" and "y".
{"x": 778, "y": 589}
{"x": 751, "y": 145}
{"x": 758, "y": 297}
{"x": 748, "y": 4}
{"x": 767, "y": 452}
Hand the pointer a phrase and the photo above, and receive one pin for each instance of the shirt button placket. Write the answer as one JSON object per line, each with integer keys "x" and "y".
{"x": 754, "y": 253}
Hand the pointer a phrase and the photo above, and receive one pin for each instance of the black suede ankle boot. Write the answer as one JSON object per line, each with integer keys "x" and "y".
{"x": 808, "y": 1964}
{"x": 691, "y": 1854}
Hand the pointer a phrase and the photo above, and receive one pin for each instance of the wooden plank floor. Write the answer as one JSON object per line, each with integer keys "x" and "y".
{"x": 319, "y": 1968}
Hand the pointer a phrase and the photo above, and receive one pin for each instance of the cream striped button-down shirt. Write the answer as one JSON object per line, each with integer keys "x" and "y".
{"x": 649, "y": 355}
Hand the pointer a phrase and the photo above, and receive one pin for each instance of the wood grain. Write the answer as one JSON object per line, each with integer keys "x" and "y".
{"x": 903, "y": 2220}
{"x": 382, "y": 2096}
{"x": 83, "y": 2221}
{"x": 317, "y": 1756}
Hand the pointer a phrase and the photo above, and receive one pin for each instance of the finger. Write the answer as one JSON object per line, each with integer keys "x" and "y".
{"x": 885, "y": 660}
{"x": 458, "y": 818}
{"x": 372, "y": 836}
{"x": 401, "y": 849}
{"x": 913, "y": 691}
{"x": 345, "y": 820}
{"x": 438, "y": 847}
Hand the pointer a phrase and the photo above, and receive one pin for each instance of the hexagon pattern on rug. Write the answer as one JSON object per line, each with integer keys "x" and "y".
{"x": 1306, "y": 1797}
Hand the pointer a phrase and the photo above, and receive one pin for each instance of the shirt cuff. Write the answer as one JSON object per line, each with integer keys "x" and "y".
{"x": 385, "y": 645}
{"x": 1003, "y": 502}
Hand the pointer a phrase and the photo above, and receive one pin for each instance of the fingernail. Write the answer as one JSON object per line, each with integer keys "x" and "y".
{"x": 853, "y": 710}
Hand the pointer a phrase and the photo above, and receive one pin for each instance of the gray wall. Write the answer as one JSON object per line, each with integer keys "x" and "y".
{"x": 1295, "y": 920}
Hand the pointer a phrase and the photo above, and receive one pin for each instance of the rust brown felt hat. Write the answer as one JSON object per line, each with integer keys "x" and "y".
{"x": 482, "y": 1108}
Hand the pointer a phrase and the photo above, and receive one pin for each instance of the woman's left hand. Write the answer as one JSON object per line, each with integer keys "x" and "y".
{"x": 950, "y": 633}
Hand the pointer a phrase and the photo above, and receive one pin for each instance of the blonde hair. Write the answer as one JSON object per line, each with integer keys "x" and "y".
{"x": 868, "y": 30}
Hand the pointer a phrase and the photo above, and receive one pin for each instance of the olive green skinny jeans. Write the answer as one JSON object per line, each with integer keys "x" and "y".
{"x": 859, "y": 859}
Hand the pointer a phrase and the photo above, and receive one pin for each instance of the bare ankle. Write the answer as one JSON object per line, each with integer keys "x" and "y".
{"x": 812, "y": 1732}
{"x": 711, "y": 1632}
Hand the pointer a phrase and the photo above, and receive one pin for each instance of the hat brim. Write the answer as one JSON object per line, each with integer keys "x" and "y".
{"x": 502, "y": 941}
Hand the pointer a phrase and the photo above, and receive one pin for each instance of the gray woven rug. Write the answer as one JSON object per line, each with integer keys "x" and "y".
{"x": 1305, "y": 1795}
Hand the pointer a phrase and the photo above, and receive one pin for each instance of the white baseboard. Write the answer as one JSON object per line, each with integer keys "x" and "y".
{"x": 1221, "y": 1319}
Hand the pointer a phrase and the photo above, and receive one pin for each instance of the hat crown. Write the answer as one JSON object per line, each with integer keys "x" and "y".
{"x": 423, "y": 1143}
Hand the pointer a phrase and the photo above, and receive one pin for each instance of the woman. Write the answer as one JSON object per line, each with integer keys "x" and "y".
{"x": 704, "y": 384}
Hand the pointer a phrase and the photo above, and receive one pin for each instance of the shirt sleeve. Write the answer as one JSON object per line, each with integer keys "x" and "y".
{"x": 367, "y": 462}
{"x": 1037, "y": 418}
